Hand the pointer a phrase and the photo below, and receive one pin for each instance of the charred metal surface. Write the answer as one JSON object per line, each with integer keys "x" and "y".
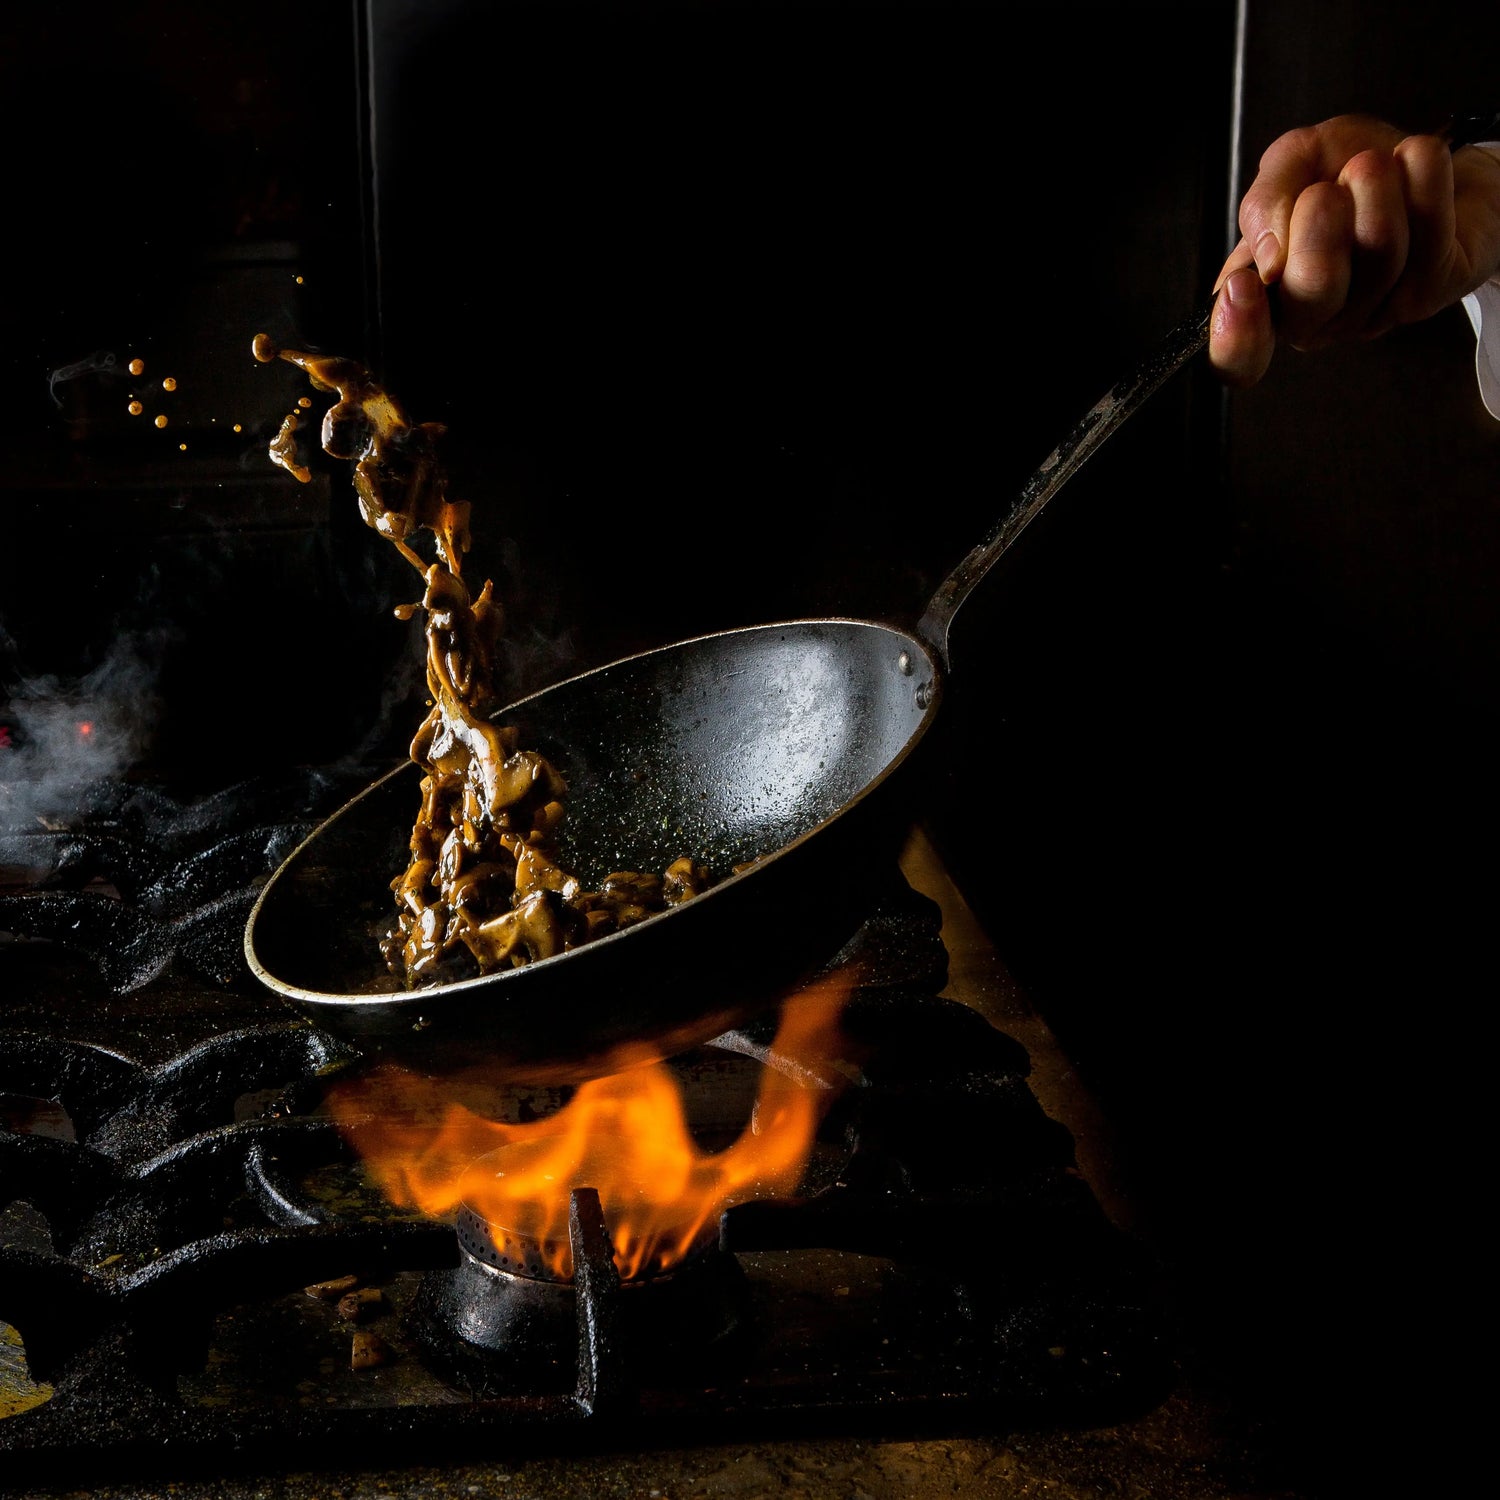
{"x": 63, "y": 1309}
{"x": 491, "y": 1332}
{"x": 495, "y": 1330}
{"x": 57, "y": 1306}
{"x": 89, "y": 1081}
{"x": 184, "y": 1193}
{"x": 129, "y": 946}
{"x": 145, "y": 886}
{"x": 60, "y": 1178}
{"x": 43, "y": 860}
{"x": 198, "y": 1089}
{"x": 604, "y": 1384}
{"x": 232, "y": 865}
{"x": 897, "y": 947}
{"x": 272, "y": 1164}
{"x": 179, "y": 1217}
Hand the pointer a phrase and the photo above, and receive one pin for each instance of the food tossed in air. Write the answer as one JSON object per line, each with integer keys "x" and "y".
{"x": 483, "y": 889}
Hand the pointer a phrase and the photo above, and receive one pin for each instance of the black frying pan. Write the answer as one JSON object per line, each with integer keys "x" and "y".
{"x": 789, "y": 746}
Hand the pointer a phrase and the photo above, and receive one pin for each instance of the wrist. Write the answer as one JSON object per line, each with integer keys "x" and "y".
{"x": 1490, "y": 148}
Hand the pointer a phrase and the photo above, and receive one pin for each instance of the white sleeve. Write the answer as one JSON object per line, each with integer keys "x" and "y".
{"x": 1483, "y": 308}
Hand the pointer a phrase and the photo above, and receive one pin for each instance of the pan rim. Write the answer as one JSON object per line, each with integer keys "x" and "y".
{"x": 415, "y": 999}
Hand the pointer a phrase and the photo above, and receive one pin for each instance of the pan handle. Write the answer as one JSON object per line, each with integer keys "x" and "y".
{"x": 1106, "y": 416}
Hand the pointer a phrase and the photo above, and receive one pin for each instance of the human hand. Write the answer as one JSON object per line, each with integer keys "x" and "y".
{"x": 1361, "y": 228}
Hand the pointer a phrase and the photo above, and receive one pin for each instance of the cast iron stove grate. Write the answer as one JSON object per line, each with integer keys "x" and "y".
{"x": 169, "y": 1189}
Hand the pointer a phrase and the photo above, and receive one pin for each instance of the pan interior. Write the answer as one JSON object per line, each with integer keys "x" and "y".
{"x": 726, "y": 748}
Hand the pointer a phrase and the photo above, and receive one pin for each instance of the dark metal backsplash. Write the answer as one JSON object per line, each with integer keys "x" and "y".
{"x": 715, "y": 299}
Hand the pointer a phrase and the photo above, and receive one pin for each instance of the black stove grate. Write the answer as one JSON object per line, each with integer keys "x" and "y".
{"x": 170, "y": 1190}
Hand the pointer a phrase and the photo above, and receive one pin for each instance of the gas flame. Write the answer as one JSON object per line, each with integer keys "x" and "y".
{"x": 624, "y": 1135}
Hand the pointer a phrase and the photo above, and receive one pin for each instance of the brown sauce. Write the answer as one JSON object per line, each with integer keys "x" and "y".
{"x": 483, "y": 889}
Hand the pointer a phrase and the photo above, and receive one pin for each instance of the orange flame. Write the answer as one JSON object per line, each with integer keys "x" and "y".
{"x": 624, "y": 1135}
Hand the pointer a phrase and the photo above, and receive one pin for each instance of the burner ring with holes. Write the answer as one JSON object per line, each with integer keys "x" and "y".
{"x": 491, "y": 1327}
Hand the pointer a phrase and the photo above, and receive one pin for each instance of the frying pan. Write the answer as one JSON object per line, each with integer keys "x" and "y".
{"x": 784, "y": 750}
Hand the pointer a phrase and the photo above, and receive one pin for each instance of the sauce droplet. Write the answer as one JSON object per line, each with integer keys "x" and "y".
{"x": 137, "y": 367}
{"x": 284, "y": 449}
{"x": 135, "y": 408}
{"x": 161, "y": 421}
{"x": 169, "y": 384}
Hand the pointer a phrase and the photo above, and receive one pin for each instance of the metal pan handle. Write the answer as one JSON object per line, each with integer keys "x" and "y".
{"x": 1105, "y": 418}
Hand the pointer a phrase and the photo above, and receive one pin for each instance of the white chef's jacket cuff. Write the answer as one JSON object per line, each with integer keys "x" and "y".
{"x": 1483, "y": 308}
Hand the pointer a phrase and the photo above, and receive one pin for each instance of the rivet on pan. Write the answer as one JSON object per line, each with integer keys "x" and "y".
{"x": 904, "y": 662}
{"x": 924, "y": 695}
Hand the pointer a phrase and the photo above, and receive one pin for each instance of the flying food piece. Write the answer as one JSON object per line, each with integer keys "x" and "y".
{"x": 483, "y": 888}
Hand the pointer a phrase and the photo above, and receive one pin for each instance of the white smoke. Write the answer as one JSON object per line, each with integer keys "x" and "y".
{"x": 64, "y": 735}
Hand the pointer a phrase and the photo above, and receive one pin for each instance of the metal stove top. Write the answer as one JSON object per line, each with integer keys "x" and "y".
{"x": 193, "y": 1266}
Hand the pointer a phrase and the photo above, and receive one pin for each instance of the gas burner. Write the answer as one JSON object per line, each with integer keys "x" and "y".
{"x": 194, "y": 1261}
{"x": 526, "y": 1254}
{"x": 493, "y": 1329}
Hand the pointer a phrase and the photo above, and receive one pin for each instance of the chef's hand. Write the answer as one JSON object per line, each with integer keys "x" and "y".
{"x": 1360, "y": 228}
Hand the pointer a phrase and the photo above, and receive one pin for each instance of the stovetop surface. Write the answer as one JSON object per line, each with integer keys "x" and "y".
{"x": 946, "y": 1272}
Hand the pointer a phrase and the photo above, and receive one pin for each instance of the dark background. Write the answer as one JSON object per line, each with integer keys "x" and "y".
{"x": 738, "y": 312}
